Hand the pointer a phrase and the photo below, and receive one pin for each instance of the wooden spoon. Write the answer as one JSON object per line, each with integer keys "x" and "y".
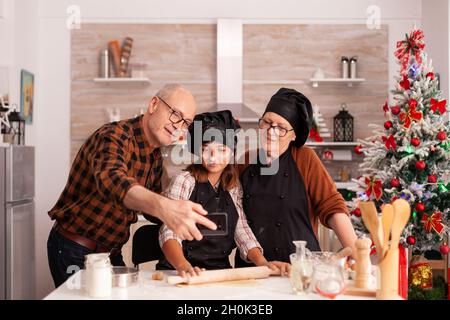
{"x": 402, "y": 211}
{"x": 370, "y": 218}
{"x": 387, "y": 216}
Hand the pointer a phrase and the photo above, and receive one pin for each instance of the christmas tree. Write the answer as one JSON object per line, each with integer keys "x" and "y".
{"x": 409, "y": 156}
{"x": 319, "y": 128}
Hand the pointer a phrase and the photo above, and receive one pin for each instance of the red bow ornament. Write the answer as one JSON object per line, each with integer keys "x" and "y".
{"x": 385, "y": 108}
{"x": 389, "y": 142}
{"x": 436, "y": 105}
{"x": 433, "y": 222}
{"x": 411, "y": 115}
{"x": 373, "y": 187}
{"x": 413, "y": 44}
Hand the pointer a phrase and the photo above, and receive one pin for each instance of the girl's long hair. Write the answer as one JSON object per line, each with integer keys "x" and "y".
{"x": 228, "y": 179}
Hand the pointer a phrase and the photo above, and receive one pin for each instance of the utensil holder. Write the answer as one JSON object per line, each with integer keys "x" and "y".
{"x": 388, "y": 276}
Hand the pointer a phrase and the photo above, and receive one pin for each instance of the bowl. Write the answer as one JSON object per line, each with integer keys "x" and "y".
{"x": 124, "y": 276}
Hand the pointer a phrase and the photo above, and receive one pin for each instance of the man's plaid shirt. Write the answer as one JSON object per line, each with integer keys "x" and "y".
{"x": 115, "y": 157}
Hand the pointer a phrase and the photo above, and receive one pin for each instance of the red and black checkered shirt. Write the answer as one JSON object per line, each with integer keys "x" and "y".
{"x": 115, "y": 157}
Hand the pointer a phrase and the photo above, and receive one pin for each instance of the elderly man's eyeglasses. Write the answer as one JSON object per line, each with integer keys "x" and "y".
{"x": 175, "y": 117}
{"x": 279, "y": 131}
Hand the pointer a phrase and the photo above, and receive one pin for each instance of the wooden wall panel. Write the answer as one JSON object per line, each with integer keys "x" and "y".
{"x": 175, "y": 53}
{"x": 274, "y": 56}
{"x": 287, "y": 55}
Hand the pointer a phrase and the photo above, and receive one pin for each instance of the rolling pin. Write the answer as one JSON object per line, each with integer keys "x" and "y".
{"x": 223, "y": 275}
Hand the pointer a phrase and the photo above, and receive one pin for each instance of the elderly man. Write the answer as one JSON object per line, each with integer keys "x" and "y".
{"x": 117, "y": 173}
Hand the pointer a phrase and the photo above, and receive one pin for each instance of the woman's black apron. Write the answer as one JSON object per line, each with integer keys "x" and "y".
{"x": 212, "y": 251}
{"x": 276, "y": 207}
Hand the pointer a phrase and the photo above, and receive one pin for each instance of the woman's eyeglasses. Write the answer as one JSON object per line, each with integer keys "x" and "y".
{"x": 279, "y": 131}
{"x": 175, "y": 117}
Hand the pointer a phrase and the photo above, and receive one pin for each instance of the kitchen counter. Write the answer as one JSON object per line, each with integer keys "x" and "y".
{"x": 273, "y": 288}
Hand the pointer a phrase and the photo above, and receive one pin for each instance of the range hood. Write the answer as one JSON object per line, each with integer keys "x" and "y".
{"x": 229, "y": 70}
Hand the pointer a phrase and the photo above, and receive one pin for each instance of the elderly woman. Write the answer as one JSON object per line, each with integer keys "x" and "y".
{"x": 286, "y": 203}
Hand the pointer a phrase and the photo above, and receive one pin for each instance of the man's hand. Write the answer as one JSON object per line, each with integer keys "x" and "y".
{"x": 181, "y": 216}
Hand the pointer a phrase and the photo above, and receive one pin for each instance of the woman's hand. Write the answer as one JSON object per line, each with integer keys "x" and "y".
{"x": 279, "y": 267}
{"x": 187, "y": 270}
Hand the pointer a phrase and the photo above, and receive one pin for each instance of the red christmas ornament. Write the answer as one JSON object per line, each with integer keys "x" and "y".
{"x": 444, "y": 249}
{"x": 388, "y": 125}
{"x": 420, "y": 165}
{"x": 415, "y": 142}
{"x": 411, "y": 240}
{"x": 395, "y": 110}
{"x": 357, "y": 212}
{"x": 395, "y": 183}
{"x": 420, "y": 207}
{"x": 327, "y": 155}
{"x": 430, "y": 75}
{"x": 413, "y": 103}
{"x": 405, "y": 84}
{"x": 358, "y": 149}
{"x": 442, "y": 136}
{"x": 432, "y": 178}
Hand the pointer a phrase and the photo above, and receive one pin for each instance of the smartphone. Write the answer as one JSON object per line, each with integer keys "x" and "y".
{"x": 221, "y": 221}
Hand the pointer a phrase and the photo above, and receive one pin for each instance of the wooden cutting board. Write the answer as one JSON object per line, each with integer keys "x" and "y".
{"x": 351, "y": 290}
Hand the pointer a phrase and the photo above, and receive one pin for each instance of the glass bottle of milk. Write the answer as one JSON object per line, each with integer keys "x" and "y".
{"x": 302, "y": 268}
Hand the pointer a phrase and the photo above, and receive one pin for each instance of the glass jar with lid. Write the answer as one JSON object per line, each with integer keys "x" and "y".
{"x": 98, "y": 275}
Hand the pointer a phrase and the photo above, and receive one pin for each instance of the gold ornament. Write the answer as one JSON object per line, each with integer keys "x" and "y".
{"x": 420, "y": 273}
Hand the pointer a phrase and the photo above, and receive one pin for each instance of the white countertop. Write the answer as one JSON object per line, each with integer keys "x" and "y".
{"x": 273, "y": 288}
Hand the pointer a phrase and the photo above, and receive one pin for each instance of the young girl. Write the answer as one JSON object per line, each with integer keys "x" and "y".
{"x": 215, "y": 185}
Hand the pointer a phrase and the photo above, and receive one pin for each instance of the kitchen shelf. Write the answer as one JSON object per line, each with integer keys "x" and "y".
{"x": 349, "y": 81}
{"x": 332, "y": 144}
{"x": 141, "y": 81}
{"x": 345, "y": 185}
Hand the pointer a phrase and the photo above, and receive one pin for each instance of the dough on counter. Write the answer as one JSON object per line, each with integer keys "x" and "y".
{"x": 158, "y": 275}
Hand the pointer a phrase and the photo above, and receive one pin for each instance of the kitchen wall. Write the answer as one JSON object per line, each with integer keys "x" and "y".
{"x": 52, "y": 108}
{"x": 435, "y": 21}
{"x": 274, "y": 55}
{"x": 182, "y": 53}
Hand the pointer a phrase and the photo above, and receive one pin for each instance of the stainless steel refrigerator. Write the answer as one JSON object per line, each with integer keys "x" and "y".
{"x": 17, "y": 258}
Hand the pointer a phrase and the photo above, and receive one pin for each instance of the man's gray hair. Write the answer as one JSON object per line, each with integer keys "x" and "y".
{"x": 166, "y": 91}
